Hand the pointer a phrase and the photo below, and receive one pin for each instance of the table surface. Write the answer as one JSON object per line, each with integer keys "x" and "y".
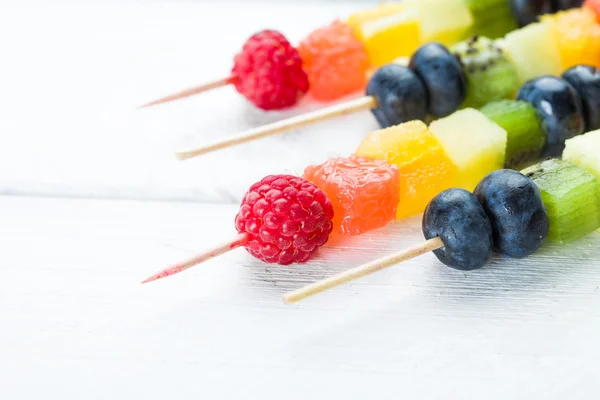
{"x": 81, "y": 176}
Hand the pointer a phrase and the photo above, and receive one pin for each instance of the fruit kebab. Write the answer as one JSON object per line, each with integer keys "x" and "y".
{"x": 509, "y": 212}
{"x": 397, "y": 170}
{"x": 337, "y": 57}
{"x": 460, "y": 149}
{"x": 440, "y": 80}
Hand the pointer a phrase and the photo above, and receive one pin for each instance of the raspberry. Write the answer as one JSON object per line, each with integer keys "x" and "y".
{"x": 268, "y": 71}
{"x": 335, "y": 60}
{"x": 288, "y": 219}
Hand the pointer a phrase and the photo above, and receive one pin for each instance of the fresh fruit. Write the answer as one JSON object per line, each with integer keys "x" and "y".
{"x": 525, "y": 137}
{"x": 458, "y": 219}
{"x": 364, "y": 193}
{"x": 594, "y": 6}
{"x": 583, "y": 150}
{"x": 425, "y": 169}
{"x": 491, "y": 18}
{"x": 335, "y": 61}
{"x": 560, "y": 109}
{"x": 514, "y": 205}
{"x": 388, "y": 31}
{"x": 268, "y": 71}
{"x": 474, "y": 143}
{"x": 528, "y": 11}
{"x": 577, "y": 35}
{"x": 443, "y": 76}
{"x": 566, "y": 4}
{"x": 447, "y": 21}
{"x": 571, "y": 196}
{"x": 288, "y": 219}
{"x": 490, "y": 76}
{"x": 400, "y": 94}
{"x": 533, "y": 51}
{"x": 586, "y": 81}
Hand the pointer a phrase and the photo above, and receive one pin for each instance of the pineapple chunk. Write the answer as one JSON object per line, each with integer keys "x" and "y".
{"x": 533, "y": 51}
{"x": 583, "y": 151}
{"x": 447, "y": 21}
{"x": 425, "y": 169}
{"x": 389, "y": 31}
{"x": 475, "y": 144}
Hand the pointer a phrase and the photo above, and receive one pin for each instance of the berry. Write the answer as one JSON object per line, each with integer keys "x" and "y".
{"x": 514, "y": 205}
{"x": 560, "y": 109}
{"x": 288, "y": 219}
{"x": 443, "y": 76}
{"x": 457, "y": 217}
{"x": 566, "y": 4}
{"x": 527, "y": 11}
{"x": 364, "y": 193}
{"x": 586, "y": 81}
{"x": 335, "y": 61}
{"x": 400, "y": 94}
{"x": 268, "y": 71}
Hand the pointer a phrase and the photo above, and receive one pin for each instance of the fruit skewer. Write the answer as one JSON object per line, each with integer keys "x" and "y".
{"x": 336, "y": 57}
{"x": 435, "y": 83}
{"x": 511, "y": 213}
{"x": 413, "y": 167}
{"x": 267, "y": 72}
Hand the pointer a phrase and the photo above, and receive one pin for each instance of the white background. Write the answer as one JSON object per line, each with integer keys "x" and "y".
{"x": 73, "y": 75}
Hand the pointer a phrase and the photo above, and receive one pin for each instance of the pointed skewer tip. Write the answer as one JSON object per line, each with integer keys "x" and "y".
{"x": 191, "y": 91}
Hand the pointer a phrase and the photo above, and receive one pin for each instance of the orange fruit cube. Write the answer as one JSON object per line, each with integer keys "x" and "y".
{"x": 364, "y": 193}
{"x": 425, "y": 168}
{"x": 578, "y": 37}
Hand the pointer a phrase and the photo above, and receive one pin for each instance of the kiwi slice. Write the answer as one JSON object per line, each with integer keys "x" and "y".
{"x": 490, "y": 75}
{"x": 525, "y": 136}
{"x": 491, "y": 18}
{"x": 571, "y": 196}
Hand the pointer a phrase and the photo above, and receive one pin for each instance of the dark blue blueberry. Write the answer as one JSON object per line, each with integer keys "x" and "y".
{"x": 514, "y": 205}
{"x": 457, "y": 217}
{"x": 586, "y": 81}
{"x": 558, "y": 5}
{"x": 559, "y": 107}
{"x": 400, "y": 94}
{"x": 527, "y": 11}
{"x": 444, "y": 78}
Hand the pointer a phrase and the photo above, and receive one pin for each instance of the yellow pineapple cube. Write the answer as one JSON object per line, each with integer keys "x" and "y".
{"x": 475, "y": 144}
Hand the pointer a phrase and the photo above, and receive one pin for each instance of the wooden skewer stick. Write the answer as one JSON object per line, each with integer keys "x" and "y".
{"x": 362, "y": 103}
{"x": 366, "y": 269}
{"x": 192, "y": 91}
{"x": 236, "y": 242}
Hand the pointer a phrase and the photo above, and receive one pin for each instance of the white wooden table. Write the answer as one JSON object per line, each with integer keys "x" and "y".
{"x": 75, "y": 323}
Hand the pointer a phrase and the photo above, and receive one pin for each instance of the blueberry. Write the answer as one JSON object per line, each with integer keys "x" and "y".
{"x": 444, "y": 79}
{"x": 400, "y": 94}
{"x": 559, "y": 107}
{"x": 558, "y": 5}
{"x": 514, "y": 205}
{"x": 457, "y": 217}
{"x": 586, "y": 81}
{"x": 527, "y": 11}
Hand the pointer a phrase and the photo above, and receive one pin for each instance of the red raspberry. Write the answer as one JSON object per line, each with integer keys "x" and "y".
{"x": 269, "y": 72}
{"x": 288, "y": 219}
